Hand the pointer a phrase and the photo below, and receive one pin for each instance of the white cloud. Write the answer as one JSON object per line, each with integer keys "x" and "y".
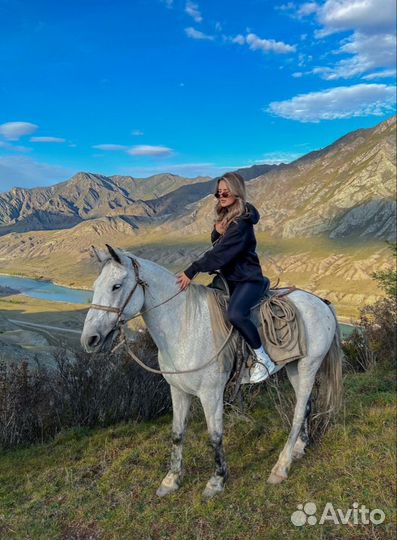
{"x": 13, "y": 148}
{"x": 193, "y": 11}
{"x": 15, "y": 130}
{"x": 297, "y": 74}
{"x": 22, "y": 171}
{"x": 380, "y": 74}
{"x": 47, "y": 139}
{"x": 371, "y": 44}
{"x": 168, "y": 3}
{"x": 367, "y": 16}
{"x": 307, "y": 9}
{"x": 146, "y": 150}
{"x": 138, "y": 150}
{"x": 368, "y": 53}
{"x": 110, "y": 147}
{"x": 296, "y": 11}
{"x": 240, "y": 39}
{"x": 137, "y": 133}
{"x": 275, "y": 158}
{"x": 188, "y": 170}
{"x": 285, "y": 7}
{"x": 340, "y": 102}
{"x": 196, "y": 34}
{"x": 256, "y": 43}
{"x": 268, "y": 45}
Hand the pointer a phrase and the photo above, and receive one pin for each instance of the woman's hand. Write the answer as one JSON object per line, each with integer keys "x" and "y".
{"x": 182, "y": 280}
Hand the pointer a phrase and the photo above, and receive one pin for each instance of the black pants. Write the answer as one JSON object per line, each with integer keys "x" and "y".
{"x": 243, "y": 296}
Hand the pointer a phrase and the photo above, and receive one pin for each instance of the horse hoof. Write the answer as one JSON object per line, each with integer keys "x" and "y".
{"x": 210, "y": 492}
{"x": 214, "y": 486}
{"x": 167, "y": 486}
{"x": 275, "y": 478}
{"x": 163, "y": 490}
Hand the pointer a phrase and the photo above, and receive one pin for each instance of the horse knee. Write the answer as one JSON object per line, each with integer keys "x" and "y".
{"x": 216, "y": 439}
{"x": 177, "y": 438}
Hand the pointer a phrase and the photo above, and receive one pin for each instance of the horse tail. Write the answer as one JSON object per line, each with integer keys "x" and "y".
{"x": 331, "y": 382}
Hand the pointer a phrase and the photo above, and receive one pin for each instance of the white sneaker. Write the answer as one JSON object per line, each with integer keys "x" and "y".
{"x": 264, "y": 367}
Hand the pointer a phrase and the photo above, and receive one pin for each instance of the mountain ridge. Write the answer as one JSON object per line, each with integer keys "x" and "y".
{"x": 346, "y": 188}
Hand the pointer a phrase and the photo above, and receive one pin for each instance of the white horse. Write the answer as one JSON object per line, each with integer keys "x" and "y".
{"x": 188, "y": 330}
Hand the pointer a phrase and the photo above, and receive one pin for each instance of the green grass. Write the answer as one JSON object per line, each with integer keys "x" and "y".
{"x": 101, "y": 483}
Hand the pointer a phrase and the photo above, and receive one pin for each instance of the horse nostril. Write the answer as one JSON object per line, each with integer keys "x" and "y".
{"x": 94, "y": 340}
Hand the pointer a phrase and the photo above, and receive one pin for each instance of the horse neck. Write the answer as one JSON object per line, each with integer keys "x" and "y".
{"x": 163, "y": 321}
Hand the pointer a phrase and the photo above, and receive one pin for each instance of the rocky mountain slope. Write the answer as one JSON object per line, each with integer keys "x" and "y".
{"x": 85, "y": 196}
{"x": 347, "y": 189}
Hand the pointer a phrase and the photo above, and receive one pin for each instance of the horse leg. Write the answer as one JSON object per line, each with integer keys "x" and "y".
{"x": 303, "y": 437}
{"x": 307, "y": 368}
{"x": 181, "y": 405}
{"x": 213, "y": 410}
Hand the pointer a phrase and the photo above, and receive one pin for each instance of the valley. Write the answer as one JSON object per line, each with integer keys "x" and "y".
{"x": 326, "y": 219}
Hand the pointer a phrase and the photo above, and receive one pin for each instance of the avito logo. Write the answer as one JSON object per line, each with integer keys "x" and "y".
{"x": 357, "y": 515}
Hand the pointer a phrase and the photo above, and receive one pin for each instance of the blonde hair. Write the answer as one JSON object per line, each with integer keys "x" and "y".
{"x": 236, "y": 186}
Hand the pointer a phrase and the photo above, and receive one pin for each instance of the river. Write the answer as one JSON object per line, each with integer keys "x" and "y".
{"x": 46, "y": 290}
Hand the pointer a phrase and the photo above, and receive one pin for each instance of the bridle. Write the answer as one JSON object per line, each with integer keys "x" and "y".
{"x": 120, "y": 311}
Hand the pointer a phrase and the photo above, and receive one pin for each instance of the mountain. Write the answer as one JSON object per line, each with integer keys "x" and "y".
{"x": 344, "y": 190}
{"x": 347, "y": 189}
{"x": 154, "y": 186}
{"x": 85, "y": 196}
{"x": 248, "y": 173}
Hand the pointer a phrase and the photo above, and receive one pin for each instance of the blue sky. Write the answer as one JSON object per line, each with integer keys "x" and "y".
{"x": 146, "y": 86}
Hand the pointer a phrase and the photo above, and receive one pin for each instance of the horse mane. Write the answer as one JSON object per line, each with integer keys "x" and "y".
{"x": 199, "y": 295}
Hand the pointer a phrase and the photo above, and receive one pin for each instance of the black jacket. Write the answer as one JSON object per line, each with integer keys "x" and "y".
{"x": 233, "y": 254}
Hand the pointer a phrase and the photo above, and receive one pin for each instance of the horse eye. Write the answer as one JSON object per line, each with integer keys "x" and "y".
{"x": 115, "y": 287}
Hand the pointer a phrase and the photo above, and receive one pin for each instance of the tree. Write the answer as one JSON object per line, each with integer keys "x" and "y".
{"x": 387, "y": 279}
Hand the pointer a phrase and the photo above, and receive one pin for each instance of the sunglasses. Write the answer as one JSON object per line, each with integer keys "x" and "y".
{"x": 223, "y": 194}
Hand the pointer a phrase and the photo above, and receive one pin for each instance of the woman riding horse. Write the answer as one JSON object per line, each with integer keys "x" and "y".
{"x": 233, "y": 253}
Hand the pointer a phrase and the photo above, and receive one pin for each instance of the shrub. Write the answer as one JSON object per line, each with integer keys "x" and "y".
{"x": 374, "y": 340}
{"x": 95, "y": 390}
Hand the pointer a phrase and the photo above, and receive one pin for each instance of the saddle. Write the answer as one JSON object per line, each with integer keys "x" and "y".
{"x": 278, "y": 322}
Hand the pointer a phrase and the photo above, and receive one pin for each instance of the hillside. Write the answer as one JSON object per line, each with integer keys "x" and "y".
{"x": 101, "y": 483}
{"x": 154, "y": 186}
{"x": 347, "y": 189}
{"x": 84, "y": 196}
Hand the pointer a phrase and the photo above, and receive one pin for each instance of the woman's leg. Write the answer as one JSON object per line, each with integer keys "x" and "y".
{"x": 244, "y": 295}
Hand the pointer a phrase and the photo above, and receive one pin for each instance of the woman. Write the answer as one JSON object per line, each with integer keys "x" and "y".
{"x": 234, "y": 255}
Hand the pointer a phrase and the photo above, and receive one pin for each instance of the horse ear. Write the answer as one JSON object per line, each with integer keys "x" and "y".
{"x": 113, "y": 253}
{"x": 100, "y": 255}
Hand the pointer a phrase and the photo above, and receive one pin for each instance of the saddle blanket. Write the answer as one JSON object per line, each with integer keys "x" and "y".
{"x": 279, "y": 323}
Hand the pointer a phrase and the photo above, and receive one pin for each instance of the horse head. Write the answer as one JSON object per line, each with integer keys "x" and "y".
{"x": 118, "y": 296}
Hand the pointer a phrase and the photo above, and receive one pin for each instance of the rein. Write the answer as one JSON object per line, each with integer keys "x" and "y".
{"x": 120, "y": 324}
{"x": 212, "y": 360}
